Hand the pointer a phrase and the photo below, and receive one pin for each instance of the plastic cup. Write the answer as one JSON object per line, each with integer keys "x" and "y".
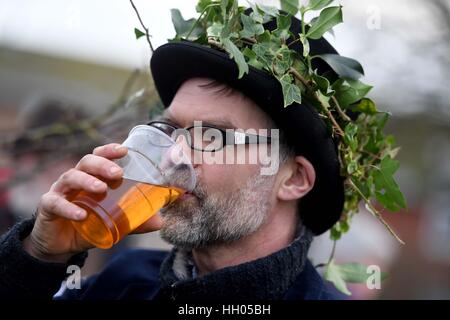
{"x": 156, "y": 173}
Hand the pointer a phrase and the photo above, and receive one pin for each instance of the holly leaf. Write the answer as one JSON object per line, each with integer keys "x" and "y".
{"x": 387, "y": 191}
{"x": 237, "y": 55}
{"x": 291, "y": 92}
{"x": 251, "y": 28}
{"x": 318, "y": 4}
{"x": 346, "y": 68}
{"x": 290, "y": 6}
{"x": 138, "y": 33}
{"x": 328, "y": 18}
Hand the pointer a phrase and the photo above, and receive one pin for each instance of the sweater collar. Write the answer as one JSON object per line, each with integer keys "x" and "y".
{"x": 266, "y": 278}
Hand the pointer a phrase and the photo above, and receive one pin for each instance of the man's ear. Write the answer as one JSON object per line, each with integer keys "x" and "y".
{"x": 298, "y": 181}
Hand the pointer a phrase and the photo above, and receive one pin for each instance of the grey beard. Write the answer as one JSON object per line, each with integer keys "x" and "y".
{"x": 217, "y": 219}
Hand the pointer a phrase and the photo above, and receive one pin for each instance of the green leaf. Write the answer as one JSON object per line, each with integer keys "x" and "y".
{"x": 387, "y": 191}
{"x": 323, "y": 84}
{"x": 138, "y": 33}
{"x": 290, "y": 6}
{"x": 333, "y": 274}
{"x": 305, "y": 44}
{"x": 252, "y": 58}
{"x": 291, "y": 92}
{"x": 356, "y": 272}
{"x": 251, "y": 28}
{"x": 283, "y": 25}
{"x": 346, "y": 68}
{"x": 265, "y": 53}
{"x": 182, "y": 27}
{"x": 318, "y": 4}
{"x": 214, "y": 30}
{"x": 328, "y": 18}
{"x": 335, "y": 233}
{"x": 348, "y": 94}
{"x": 350, "y": 132}
{"x": 269, "y": 10}
{"x": 202, "y": 4}
{"x": 366, "y": 106}
{"x": 223, "y": 8}
{"x": 237, "y": 55}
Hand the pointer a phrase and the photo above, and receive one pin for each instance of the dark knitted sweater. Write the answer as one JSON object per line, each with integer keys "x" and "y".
{"x": 152, "y": 274}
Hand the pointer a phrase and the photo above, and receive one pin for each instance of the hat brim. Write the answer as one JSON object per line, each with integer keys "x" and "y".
{"x": 175, "y": 62}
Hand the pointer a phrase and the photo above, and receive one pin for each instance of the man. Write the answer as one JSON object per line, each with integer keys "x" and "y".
{"x": 238, "y": 235}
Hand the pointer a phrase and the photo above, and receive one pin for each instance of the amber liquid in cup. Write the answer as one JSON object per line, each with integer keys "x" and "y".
{"x": 121, "y": 209}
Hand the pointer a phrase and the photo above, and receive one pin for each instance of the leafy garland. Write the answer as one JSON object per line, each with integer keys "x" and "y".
{"x": 366, "y": 155}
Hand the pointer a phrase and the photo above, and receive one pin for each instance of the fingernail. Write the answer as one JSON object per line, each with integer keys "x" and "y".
{"x": 114, "y": 170}
{"x": 97, "y": 184}
{"x": 119, "y": 148}
{"x": 79, "y": 214}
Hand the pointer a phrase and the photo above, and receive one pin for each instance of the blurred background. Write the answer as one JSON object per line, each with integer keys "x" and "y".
{"x": 73, "y": 76}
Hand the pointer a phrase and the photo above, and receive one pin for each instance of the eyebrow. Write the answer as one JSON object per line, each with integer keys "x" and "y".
{"x": 219, "y": 123}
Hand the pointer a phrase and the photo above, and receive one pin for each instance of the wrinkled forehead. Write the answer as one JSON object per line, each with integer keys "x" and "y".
{"x": 204, "y": 99}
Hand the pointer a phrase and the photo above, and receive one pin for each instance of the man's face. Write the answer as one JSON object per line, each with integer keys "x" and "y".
{"x": 230, "y": 201}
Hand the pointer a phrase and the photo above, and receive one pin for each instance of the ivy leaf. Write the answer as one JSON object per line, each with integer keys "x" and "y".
{"x": 318, "y": 4}
{"x": 290, "y": 6}
{"x": 350, "y": 132}
{"x": 202, "y": 4}
{"x": 366, "y": 106}
{"x": 305, "y": 44}
{"x": 138, "y": 33}
{"x": 265, "y": 53}
{"x": 291, "y": 92}
{"x": 345, "y": 67}
{"x": 348, "y": 94}
{"x": 251, "y": 28}
{"x": 269, "y": 10}
{"x": 328, "y": 18}
{"x": 387, "y": 191}
{"x": 214, "y": 30}
{"x": 182, "y": 27}
{"x": 323, "y": 84}
{"x": 283, "y": 25}
{"x": 333, "y": 274}
{"x": 252, "y": 58}
{"x": 223, "y": 8}
{"x": 237, "y": 55}
{"x": 356, "y": 273}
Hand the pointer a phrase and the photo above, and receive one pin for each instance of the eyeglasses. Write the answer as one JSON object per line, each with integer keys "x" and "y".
{"x": 208, "y": 138}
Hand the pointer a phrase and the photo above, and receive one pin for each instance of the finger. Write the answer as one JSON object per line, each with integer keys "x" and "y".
{"x": 78, "y": 180}
{"x": 152, "y": 224}
{"x": 55, "y": 204}
{"x": 111, "y": 151}
{"x": 99, "y": 166}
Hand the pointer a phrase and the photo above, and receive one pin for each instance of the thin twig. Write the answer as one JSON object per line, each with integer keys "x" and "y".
{"x": 333, "y": 120}
{"x": 299, "y": 77}
{"x": 333, "y": 250}
{"x": 215, "y": 43}
{"x": 375, "y": 212}
{"x": 338, "y": 107}
{"x": 147, "y": 35}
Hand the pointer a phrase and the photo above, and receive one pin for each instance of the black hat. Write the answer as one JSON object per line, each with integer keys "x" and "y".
{"x": 175, "y": 62}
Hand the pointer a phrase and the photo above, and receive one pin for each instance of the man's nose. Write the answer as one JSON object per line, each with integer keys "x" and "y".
{"x": 184, "y": 147}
